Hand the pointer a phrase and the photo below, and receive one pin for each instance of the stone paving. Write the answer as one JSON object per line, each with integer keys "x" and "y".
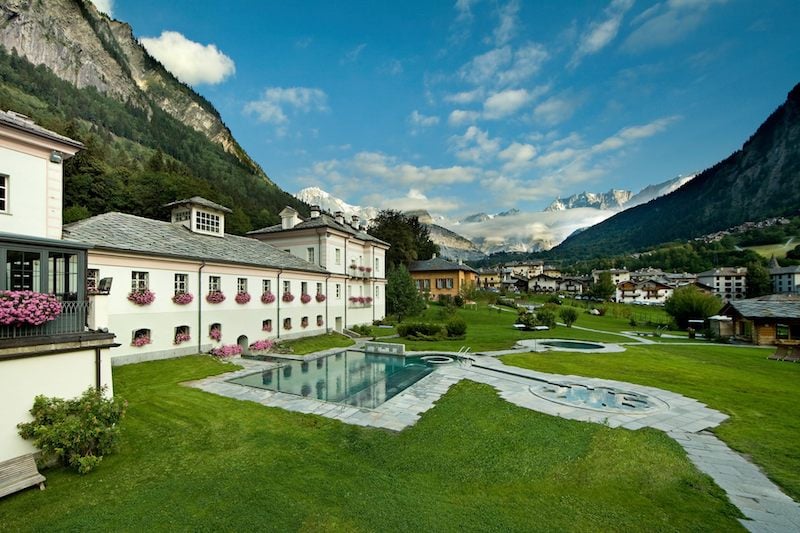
{"x": 684, "y": 419}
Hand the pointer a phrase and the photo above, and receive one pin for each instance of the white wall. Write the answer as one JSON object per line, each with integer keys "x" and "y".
{"x": 28, "y": 194}
{"x": 64, "y": 375}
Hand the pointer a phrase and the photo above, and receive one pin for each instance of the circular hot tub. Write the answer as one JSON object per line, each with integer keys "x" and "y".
{"x": 437, "y": 359}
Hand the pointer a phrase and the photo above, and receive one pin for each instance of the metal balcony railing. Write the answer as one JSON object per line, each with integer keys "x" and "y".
{"x": 71, "y": 320}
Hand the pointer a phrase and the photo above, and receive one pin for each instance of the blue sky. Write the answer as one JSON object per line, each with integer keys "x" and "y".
{"x": 476, "y": 105}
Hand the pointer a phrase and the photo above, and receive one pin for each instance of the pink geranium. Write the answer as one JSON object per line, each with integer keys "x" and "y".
{"x": 267, "y": 298}
{"x": 142, "y": 297}
{"x": 183, "y": 298}
{"x": 320, "y": 297}
{"x": 27, "y": 308}
{"x": 228, "y": 350}
{"x": 287, "y": 297}
{"x": 141, "y": 340}
{"x": 305, "y": 298}
{"x": 215, "y": 297}
{"x": 242, "y": 297}
{"x": 261, "y": 345}
{"x": 215, "y": 334}
{"x": 182, "y": 337}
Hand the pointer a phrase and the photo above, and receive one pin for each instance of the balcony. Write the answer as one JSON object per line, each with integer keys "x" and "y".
{"x": 71, "y": 320}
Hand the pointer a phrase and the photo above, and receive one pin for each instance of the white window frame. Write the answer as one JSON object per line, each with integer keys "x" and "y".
{"x": 92, "y": 278}
{"x": 310, "y": 254}
{"x": 338, "y": 291}
{"x": 319, "y": 288}
{"x": 266, "y": 285}
{"x": 287, "y": 286}
{"x": 303, "y": 287}
{"x": 181, "y": 283}
{"x": 140, "y": 281}
{"x": 207, "y": 222}
{"x": 4, "y": 179}
{"x": 241, "y": 285}
{"x": 214, "y": 283}
{"x": 338, "y": 254}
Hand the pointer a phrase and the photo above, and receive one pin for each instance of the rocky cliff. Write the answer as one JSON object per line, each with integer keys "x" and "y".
{"x": 88, "y": 49}
{"x": 613, "y": 199}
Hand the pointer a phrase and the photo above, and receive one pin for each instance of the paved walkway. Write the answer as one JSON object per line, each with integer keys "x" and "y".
{"x": 682, "y": 418}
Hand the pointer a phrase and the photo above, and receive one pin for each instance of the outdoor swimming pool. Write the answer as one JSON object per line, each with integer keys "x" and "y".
{"x": 348, "y": 377}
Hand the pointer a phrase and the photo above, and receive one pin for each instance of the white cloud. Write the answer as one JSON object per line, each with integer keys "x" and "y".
{"x": 276, "y": 102}
{"x": 464, "y": 9}
{"x": 413, "y": 200}
{"x": 418, "y": 119}
{"x": 390, "y": 170}
{"x": 105, "y": 6}
{"x": 556, "y": 109}
{"x": 557, "y": 157}
{"x": 190, "y": 62}
{"x": 528, "y": 60}
{"x": 504, "y": 66}
{"x": 633, "y": 133}
{"x": 504, "y": 103}
{"x": 475, "y": 145}
{"x": 465, "y": 97}
{"x": 600, "y": 33}
{"x": 459, "y": 116}
{"x": 393, "y": 67}
{"x": 517, "y": 157}
{"x": 667, "y": 23}
{"x": 507, "y": 27}
{"x": 352, "y": 55}
{"x": 484, "y": 67}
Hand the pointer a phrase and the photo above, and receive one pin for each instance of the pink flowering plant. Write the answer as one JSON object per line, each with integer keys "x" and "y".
{"x": 182, "y": 337}
{"x": 287, "y": 297}
{"x": 215, "y": 297}
{"x": 142, "y": 296}
{"x": 261, "y": 345}
{"x": 27, "y": 308}
{"x": 368, "y": 300}
{"x": 141, "y": 340}
{"x": 305, "y": 298}
{"x": 227, "y": 350}
{"x": 267, "y": 298}
{"x": 367, "y": 269}
{"x": 266, "y": 327}
{"x": 320, "y": 322}
{"x": 320, "y": 297}
{"x": 183, "y": 298}
{"x": 242, "y": 297}
{"x": 362, "y": 268}
{"x": 304, "y": 322}
{"x": 215, "y": 334}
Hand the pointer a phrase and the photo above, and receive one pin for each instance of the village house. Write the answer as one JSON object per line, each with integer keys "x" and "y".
{"x": 46, "y": 352}
{"x": 489, "y": 278}
{"x": 785, "y": 280}
{"x": 543, "y": 283}
{"x": 729, "y": 283}
{"x": 646, "y": 292}
{"x": 768, "y": 319}
{"x": 437, "y": 276}
{"x": 573, "y": 286}
{"x": 618, "y": 275}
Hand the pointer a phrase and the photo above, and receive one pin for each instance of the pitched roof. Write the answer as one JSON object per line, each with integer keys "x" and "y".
{"x": 199, "y": 200}
{"x": 437, "y": 264}
{"x": 21, "y": 122}
{"x": 771, "y": 306}
{"x": 723, "y": 271}
{"x": 324, "y": 220}
{"x": 795, "y": 269}
{"x": 129, "y": 233}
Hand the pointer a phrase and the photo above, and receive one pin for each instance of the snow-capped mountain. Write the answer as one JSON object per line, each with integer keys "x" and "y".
{"x": 651, "y": 192}
{"x": 328, "y": 202}
{"x": 613, "y": 199}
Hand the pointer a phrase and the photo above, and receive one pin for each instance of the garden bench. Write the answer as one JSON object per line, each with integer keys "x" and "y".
{"x": 19, "y": 473}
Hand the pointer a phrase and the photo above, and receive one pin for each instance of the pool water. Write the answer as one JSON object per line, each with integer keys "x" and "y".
{"x": 348, "y": 377}
{"x": 573, "y": 345}
{"x": 602, "y": 398}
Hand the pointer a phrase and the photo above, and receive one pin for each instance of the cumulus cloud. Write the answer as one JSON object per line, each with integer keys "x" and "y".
{"x": 459, "y": 116}
{"x": 189, "y": 61}
{"x": 667, "y": 23}
{"x": 556, "y": 109}
{"x": 504, "y": 66}
{"x": 276, "y": 102}
{"x": 105, "y": 6}
{"x": 475, "y": 145}
{"x": 633, "y": 133}
{"x": 390, "y": 170}
{"x": 418, "y": 119}
{"x": 505, "y": 103}
{"x": 413, "y": 200}
{"x": 517, "y": 157}
{"x": 601, "y": 32}
{"x": 465, "y": 97}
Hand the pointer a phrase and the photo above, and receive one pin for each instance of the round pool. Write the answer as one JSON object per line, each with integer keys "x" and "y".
{"x": 437, "y": 359}
{"x": 573, "y": 345}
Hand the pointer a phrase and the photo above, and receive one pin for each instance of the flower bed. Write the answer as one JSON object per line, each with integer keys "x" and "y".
{"x": 267, "y": 298}
{"x": 142, "y": 297}
{"x": 242, "y": 297}
{"x": 182, "y": 337}
{"x": 183, "y": 298}
{"x": 305, "y": 298}
{"x": 261, "y": 345}
{"x": 215, "y": 297}
{"x": 27, "y": 308}
{"x": 320, "y": 297}
{"x": 287, "y": 297}
{"x": 228, "y": 350}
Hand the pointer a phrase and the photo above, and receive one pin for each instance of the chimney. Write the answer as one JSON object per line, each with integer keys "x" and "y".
{"x": 289, "y": 218}
{"x": 460, "y": 261}
{"x": 339, "y": 217}
{"x": 433, "y": 256}
{"x": 354, "y": 222}
{"x": 314, "y": 211}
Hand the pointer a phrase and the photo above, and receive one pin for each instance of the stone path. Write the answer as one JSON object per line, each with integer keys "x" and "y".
{"x": 684, "y": 419}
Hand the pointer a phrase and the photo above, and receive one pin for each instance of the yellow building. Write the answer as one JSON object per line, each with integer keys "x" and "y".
{"x": 438, "y": 276}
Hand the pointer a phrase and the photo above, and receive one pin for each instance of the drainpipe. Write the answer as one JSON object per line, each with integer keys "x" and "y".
{"x": 278, "y": 301}
{"x": 372, "y": 285}
{"x": 200, "y": 306}
{"x": 97, "y": 383}
{"x": 346, "y": 280}
{"x": 327, "y": 301}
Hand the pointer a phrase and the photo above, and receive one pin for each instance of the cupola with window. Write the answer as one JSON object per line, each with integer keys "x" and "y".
{"x": 199, "y": 215}
{"x": 289, "y": 218}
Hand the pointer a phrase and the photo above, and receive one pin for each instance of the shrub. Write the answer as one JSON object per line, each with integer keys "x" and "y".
{"x": 688, "y": 303}
{"x": 445, "y": 299}
{"x": 419, "y": 330}
{"x": 456, "y": 327}
{"x": 554, "y": 299}
{"x": 362, "y": 329}
{"x": 227, "y": 350}
{"x": 458, "y": 300}
{"x": 77, "y": 432}
{"x": 546, "y": 317}
{"x": 569, "y": 315}
{"x": 261, "y": 345}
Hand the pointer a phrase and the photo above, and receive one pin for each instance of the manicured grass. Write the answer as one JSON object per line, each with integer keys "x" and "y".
{"x": 759, "y": 395}
{"x": 376, "y": 331}
{"x": 778, "y": 250}
{"x": 326, "y": 341}
{"x": 191, "y": 460}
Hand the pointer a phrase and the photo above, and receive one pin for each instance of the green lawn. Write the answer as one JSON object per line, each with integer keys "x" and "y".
{"x": 778, "y": 250}
{"x": 307, "y": 345}
{"x": 191, "y": 460}
{"x": 759, "y": 395}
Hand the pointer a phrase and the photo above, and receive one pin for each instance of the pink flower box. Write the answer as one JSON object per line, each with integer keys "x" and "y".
{"x": 215, "y": 334}
{"x": 215, "y": 297}
{"x": 266, "y": 328}
{"x": 141, "y": 340}
{"x": 267, "y": 298}
{"x": 320, "y": 297}
{"x": 305, "y": 298}
{"x": 304, "y": 323}
{"x": 287, "y": 297}
{"x": 143, "y": 297}
{"x": 242, "y": 297}
{"x": 27, "y": 308}
{"x": 182, "y": 337}
{"x": 183, "y": 298}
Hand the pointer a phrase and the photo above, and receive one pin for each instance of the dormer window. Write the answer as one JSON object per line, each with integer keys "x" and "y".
{"x": 180, "y": 215}
{"x": 207, "y": 222}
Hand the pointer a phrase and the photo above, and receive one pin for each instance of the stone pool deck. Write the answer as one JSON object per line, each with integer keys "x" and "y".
{"x": 684, "y": 419}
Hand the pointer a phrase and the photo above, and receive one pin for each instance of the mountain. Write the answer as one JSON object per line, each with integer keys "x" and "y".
{"x": 651, "y": 192}
{"x": 328, "y": 202}
{"x": 613, "y": 199}
{"x": 758, "y": 181}
{"x": 148, "y": 137}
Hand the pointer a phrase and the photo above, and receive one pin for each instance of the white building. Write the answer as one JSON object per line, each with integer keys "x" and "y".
{"x": 646, "y": 292}
{"x": 618, "y": 275}
{"x": 785, "y": 280}
{"x": 343, "y": 249}
{"x": 59, "y": 357}
{"x": 729, "y": 283}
